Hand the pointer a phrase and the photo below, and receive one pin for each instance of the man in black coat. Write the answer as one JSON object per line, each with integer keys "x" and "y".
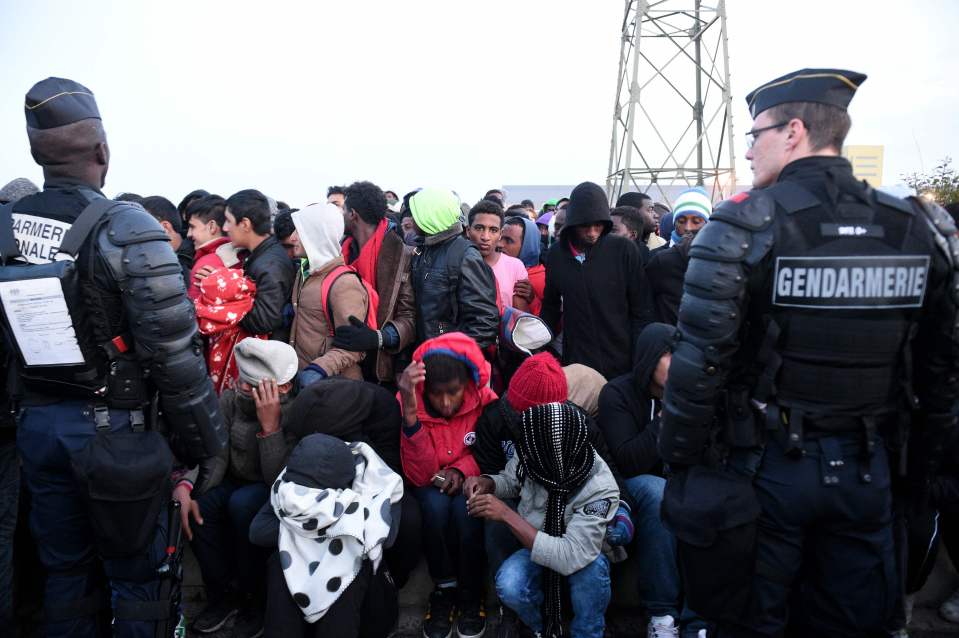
{"x": 596, "y": 290}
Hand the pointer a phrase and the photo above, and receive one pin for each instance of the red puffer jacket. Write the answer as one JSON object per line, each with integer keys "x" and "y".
{"x": 436, "y": 443}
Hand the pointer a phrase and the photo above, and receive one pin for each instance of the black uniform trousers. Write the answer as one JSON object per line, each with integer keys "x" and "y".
{"x": 825, "y": 559}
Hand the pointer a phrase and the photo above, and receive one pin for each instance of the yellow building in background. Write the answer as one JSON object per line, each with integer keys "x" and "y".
{"x": 866, "y": 163}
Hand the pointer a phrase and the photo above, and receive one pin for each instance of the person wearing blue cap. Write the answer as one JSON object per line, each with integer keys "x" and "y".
{"x": 113, "y": 336}
{"x": 821, "y": 314}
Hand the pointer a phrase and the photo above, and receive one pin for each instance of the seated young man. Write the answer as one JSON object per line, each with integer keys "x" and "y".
{"x": 360, "y": 411}
{"x": 628, "y": 407}
{"x": 253, "y": 414}
{"x": 332, "y": 512}
{"x": 567, "y": 497}
{"x": 442, "y": 393}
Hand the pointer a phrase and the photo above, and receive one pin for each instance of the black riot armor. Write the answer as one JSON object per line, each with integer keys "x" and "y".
{"x": 830, "y": 307}
{"x": 136, "y": 327}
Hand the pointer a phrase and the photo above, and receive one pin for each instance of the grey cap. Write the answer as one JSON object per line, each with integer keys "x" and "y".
{"x": 259, "y": 359}
{"x": 17, "y": 189}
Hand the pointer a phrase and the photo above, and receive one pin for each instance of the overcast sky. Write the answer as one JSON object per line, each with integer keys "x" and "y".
{"x": 290, "y": 97}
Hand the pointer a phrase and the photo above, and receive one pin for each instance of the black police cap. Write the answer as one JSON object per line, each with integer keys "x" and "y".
{"x": 57, "y": 102}
{"x": 827, "y": 86}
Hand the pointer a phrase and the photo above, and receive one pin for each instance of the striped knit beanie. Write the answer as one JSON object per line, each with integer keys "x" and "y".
{"x": 694, "y": 201}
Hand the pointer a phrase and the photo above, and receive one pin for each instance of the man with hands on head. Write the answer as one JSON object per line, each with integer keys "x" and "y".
{"x": 254, "y": 414}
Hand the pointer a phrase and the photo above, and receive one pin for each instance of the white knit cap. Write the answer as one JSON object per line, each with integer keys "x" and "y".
{"x": 694, "y": 201}
{"x": 259, "y": 359}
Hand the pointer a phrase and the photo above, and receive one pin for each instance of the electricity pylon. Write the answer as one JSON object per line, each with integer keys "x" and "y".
{"x": 672, "y": 123}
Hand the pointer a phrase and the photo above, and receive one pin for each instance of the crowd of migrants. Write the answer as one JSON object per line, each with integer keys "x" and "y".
{"x": 383, "y": 405}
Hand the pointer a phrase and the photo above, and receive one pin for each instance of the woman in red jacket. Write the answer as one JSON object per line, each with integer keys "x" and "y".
{"x": 442, "y": 393}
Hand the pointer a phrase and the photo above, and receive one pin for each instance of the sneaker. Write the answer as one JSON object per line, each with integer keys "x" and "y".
{"x": 509, "y": 623}
{"x": 217, "y": 614}
{"x": 438, "y": 621}
{"x": 249, "y": 622}
{"x": 472, "y": 620}
{"x": 662, "y": 627}
{"x": 949, "y": 610}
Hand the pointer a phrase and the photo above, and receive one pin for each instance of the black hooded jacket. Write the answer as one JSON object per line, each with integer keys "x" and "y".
{"x": 603, "y": 303}
{"x": 627, "y": 409}
{"x": 352, "y": 411}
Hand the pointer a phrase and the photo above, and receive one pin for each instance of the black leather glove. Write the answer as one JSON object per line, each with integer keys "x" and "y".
{"x": 357, "y": 337}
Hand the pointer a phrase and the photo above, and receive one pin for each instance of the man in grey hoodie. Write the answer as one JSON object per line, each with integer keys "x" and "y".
{"x": 567, "y": 496}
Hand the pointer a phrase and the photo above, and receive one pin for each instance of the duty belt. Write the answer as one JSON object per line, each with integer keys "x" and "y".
{"x": 792, "y": 427}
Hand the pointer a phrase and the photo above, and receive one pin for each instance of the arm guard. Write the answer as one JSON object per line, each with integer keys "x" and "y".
{"x": 737, "y": 237}
{"x": 162, "y": 322}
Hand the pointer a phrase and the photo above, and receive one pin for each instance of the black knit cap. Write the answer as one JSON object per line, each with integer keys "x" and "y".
{"x": 57, "y": 102}
{"x": 321, "y": 461}
{"x": 826, "y": 86}
{"x": 588, "y": 205}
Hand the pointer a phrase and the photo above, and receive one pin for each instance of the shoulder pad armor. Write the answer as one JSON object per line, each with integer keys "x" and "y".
{"x": 752, "y": 210}
{"x": 792, "y": 197}
{"x": 892, "y": 201}
{"x": 721, "y": 241}
{"x": 943, "y": 227}
{"x": 133, "y": 225}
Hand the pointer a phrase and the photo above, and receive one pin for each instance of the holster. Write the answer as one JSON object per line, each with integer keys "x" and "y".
{"x": 741, "y": 429}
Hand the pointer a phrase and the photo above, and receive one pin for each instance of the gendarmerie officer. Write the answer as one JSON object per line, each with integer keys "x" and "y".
{"x": 817, "y": 314}
{"x": 96, "y": 469}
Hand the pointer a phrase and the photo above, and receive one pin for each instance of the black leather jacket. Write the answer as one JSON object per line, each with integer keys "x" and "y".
{"x": 270, "y": 267}
{"x": 454, "y": 297}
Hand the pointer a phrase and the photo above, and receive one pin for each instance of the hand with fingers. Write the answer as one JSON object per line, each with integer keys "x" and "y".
{"x": 188, "y": 508}
{"x": 266, "y": 397}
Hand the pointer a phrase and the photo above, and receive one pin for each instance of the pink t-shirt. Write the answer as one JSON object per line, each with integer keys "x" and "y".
{"x": 508, "y": 270}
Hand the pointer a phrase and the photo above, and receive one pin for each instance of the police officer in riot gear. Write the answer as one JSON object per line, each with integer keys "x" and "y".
{"x": 97, "y": 470}
{"x": 818, "y": 314}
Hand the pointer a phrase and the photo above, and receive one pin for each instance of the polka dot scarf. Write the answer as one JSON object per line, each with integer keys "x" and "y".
{"x": 554, "y": 451}
{"x": 326, "y": 534}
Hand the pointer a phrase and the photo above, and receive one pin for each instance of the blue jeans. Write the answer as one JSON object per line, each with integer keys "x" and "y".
{"x": 452, "y": 539}
{"x": 47, "y": 435}
{"x": 659, "y": 582}
{"x": 222, "y": 544}
{"x": 519, "y": 585}
{"x": 9, "y": 501}
{"x": 655, "y": 547}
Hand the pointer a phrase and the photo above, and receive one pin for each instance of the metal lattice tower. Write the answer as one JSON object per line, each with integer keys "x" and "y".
{"x": 672, "y": 123}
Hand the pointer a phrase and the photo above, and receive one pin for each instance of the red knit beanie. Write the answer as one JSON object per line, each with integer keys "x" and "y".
{"x": 538, "y": 380}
